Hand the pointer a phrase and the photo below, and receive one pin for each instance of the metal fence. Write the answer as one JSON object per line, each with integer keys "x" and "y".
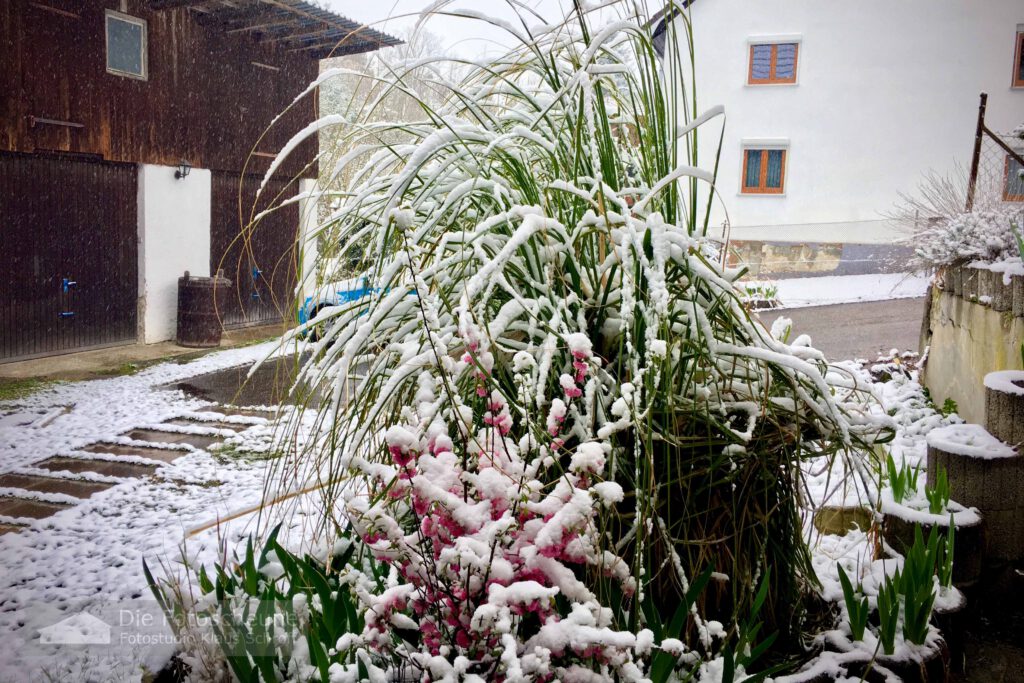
{"x": 997, "y": 166}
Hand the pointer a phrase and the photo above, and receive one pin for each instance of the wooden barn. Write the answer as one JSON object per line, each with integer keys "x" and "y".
{"x": 133, "y": 135}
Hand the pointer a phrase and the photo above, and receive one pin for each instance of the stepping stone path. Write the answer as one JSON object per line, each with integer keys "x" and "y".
{"x": 18, "y": 502}
{"x": 79, "y": 488}
{"x": 186, "y": 422}
{"x": 154, "y": 436}
{"x": 110, "y": 468}
{"x": 24, "y": 507}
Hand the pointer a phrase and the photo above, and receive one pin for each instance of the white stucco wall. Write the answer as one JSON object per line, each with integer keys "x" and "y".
{"x": 308, "y": 221}
{"x": 174, "y": 236}
{"x": 885, "y": 92}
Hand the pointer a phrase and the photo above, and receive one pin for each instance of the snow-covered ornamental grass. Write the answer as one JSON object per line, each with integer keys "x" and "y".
{"x": 567, "y": 445}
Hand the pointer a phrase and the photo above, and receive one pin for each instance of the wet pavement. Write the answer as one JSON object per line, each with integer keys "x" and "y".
{"x": 857, "y": 330}
{"x": 269, "y": 385}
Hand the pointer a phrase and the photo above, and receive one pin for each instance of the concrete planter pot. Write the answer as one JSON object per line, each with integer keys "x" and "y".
{"x": 1002, "y": 293}
{"x": 970, "y": 277}
{"x": 923, "y": 664}
{"x": 927, "y": 665}
{"x": 985, "y": 473}
{"x": 1004, "y": 406}
{"x": 952, "y": 621}
{"x": 900, "y": 519}
{"x": 1017, "y": 294}
{"x": 840, "y": 520}
{"x": 953, "y": 280}
{"x": 986, "y": 286}
{"x": 969, "y": 543}
{"x": 932, "y": 667}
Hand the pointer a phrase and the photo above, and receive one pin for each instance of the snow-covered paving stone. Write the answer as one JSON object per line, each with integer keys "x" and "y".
{"x": 86, "y": 558}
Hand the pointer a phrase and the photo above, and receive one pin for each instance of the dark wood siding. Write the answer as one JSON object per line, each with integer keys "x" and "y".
{"x": 258, "y": 256}
{"x": 204, "y": 101}
{"x": 73, "y": 221}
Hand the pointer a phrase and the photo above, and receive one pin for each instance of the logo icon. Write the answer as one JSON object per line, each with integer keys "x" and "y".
{"x": 80, "y": 629}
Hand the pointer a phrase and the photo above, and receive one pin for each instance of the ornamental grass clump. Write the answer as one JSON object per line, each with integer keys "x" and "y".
{"x": 553, "y": 412}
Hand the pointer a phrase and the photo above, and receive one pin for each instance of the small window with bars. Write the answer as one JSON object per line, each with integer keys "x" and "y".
{"x": 1018, "y": 60}
{"x": 1013, "y": 180}
{"x": 764, "y": 171}
{"x": 772, "y": 63}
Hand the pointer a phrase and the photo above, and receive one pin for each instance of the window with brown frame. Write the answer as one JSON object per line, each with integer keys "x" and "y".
{"x": 772, "y": 63}
{"x": 1013, "y": 180}
{"x": 1018, "y": 61}
{"x": 764, "y": 171}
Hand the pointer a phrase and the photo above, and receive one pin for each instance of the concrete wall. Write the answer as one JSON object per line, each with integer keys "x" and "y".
{"x": 968, "y": 341}
{"x": 174, "y": 236}
{"x": 885, "y": 92}
{"x": 808, "y": 259}
{"x": 308, "y": 222}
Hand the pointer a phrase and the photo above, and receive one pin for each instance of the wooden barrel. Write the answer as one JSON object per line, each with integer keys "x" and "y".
{"x": 201, "y": 301}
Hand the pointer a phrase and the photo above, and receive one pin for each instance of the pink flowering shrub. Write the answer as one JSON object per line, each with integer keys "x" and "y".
{"x": 553, "y": 413}
{"x": 490, "y": 528}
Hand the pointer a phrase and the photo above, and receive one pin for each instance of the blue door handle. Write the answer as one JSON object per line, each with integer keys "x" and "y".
{"x": 66, "y": 284}
{"x": 256, "y": 272}
{"x": 66, "y": 314}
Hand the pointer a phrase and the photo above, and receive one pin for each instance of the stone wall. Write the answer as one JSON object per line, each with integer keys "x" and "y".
{"x": 777, "y": 260}
{"x": 975, "y": 326}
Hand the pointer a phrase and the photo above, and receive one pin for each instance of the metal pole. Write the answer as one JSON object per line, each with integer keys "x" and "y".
{"x": 972, "y": 180}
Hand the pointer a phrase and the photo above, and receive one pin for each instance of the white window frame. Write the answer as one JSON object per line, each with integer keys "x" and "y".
{"x": 774, "y": 39}
{"x": 769, "y": 144}
{"x": 127, "y": 18}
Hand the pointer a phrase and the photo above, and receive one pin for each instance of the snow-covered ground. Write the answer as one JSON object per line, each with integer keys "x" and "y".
{"x": 837, "y": 289}
{"x": 87, "y": 559}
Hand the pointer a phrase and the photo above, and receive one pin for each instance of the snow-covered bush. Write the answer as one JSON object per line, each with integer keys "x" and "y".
{"x": 554, "y": 412}
{"x": 982, "y": 235}
{"x": 941, "y": 233}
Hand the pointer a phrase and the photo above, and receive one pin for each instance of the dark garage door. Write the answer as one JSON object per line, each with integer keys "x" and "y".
{"x": 69, "y": 255}
{"x": 258, "y": 258}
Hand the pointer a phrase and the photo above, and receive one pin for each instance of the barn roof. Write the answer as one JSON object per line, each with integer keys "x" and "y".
{"x": 291, "y": 25}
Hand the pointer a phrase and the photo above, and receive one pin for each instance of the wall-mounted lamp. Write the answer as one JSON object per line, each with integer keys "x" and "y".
{"x": 183, "y": 169}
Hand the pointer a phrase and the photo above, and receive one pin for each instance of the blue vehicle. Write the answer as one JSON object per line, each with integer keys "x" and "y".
{"x": 333, "y": 294}
{"x": 339, "y": 293}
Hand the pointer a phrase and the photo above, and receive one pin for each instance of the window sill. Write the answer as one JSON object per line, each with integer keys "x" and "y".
{"x": 748, "y": 84}
{"x": 771, "y": 195}
{"x": 128, "y": 74}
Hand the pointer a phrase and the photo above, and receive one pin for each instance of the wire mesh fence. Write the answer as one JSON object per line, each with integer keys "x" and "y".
{"x": 1000, "y": 172}
{"x": 997, "y": 167}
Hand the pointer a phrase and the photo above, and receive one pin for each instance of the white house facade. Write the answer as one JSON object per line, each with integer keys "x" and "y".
{"x": 832, "y": 109}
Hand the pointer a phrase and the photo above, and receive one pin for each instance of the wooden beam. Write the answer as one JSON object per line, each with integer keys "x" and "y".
{"x": 55, "y": 10}
{"x": 321, "y": 16}
{"x": 302, "y": 33}
{"x": 174, "y": 4}
{"x": 325, "y": 52}
{"x": 226, "y": 15}
{"x": 334, "y": 47}
{"x": 265, "y": 24}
